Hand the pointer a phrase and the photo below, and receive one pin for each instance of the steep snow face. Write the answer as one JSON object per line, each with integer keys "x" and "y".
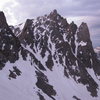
{"x": 24, "y": 86}
{"x": 53, "y": 62}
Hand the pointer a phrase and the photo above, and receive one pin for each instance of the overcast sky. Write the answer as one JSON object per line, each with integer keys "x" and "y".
{"x": 18, "y": 11}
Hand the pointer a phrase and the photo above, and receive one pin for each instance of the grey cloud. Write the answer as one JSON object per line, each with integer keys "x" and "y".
{"x": 31, "y": 8}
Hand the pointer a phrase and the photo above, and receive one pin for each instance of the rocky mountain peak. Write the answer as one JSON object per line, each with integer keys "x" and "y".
{"x": 46, "y": 58}
{"x": 54, "y": 12}
{"x": 83, "y": 32}
{"x": 55, "y": 16}
{"x": 3, "y": 22}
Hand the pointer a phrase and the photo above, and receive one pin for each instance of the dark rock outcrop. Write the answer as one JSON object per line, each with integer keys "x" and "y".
{"x": 3, "y": 23}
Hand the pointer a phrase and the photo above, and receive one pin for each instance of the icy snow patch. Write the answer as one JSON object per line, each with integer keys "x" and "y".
{"x": 76, "y": 44}
{"x": 83, "y": 43}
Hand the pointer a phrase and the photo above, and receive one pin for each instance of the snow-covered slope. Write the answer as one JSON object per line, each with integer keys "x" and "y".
{"x": 50, "y": 60}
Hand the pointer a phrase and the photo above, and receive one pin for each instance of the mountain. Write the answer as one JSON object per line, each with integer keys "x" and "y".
{"x": 97, "y": 51}
{"x": 47, "y": 59}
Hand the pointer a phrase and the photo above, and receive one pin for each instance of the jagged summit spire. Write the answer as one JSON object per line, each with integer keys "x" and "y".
{"x": 84, "y": 25}
{"x": 3, "y": 22}
{"x": 54, "y": 11}
{"x": 54, "y": 15}
{"x": 83, "y": 33}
